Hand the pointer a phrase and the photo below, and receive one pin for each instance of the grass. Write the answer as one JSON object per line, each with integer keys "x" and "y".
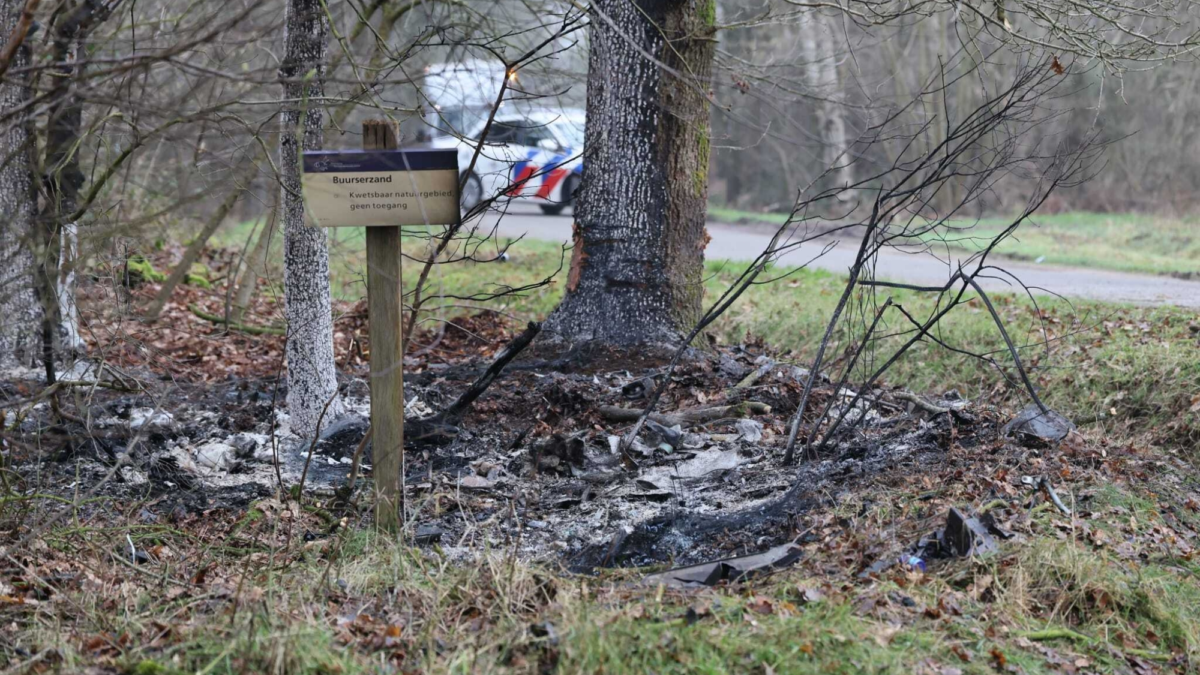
{"x": 1139, "y": 365}
{"x": 1125, "y": 242}
{"x": 1106, "y": 591}
{"x": 723, "y": 214}
{"x": 347, "y": 256}
{"x": 1118, "y": 365}
{"x": 1122, "y": 242}
{"x": 357, "y": 603}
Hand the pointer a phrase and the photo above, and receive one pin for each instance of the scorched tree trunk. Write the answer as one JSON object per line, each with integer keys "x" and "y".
{"x": 20, "y": 313}
{"x": 312, "y": 377}
{"x": 637, "y": 264}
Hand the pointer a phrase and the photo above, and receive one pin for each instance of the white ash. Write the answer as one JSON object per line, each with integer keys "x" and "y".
{"x": 214, "y": 456}
{"x": 751, "y": 431}
{"x": 149, "y": 418}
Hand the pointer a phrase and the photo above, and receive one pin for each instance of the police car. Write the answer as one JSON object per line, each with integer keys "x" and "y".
{"x": 535, "y": 155}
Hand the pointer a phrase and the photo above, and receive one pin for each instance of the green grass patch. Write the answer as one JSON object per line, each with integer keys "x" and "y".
{"x": 1126, "y": 242}
{"x": 1117, "y": 365}
{"x": 1123, "y": 242}
{"x": 361, "y": 604}
{"x": 1103, "y": 362}
{"x": 722, "y": 214}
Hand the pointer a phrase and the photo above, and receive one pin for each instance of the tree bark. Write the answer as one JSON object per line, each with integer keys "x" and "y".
{"x": 63, "y": 182}
{"x": 820, "y": 69}
{"x": 637, "y": 265}
{"x": 19, "y": 310}
{"x": 312, "y": 377}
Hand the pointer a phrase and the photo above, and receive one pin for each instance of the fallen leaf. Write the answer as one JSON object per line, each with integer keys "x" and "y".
{"x": 762, "y": 605}
{"x": 961, "y": 653}
{"x": 811, "y": 595}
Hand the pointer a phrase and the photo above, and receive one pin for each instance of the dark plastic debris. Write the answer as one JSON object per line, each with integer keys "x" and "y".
{"x": 966, "y": 536}
{"x": 428, "y": 534}
{"x": 728, "y": 570}
{"x": 1032, "y": 426}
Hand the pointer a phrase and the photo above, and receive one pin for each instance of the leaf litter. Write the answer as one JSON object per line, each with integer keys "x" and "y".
{"x": 531, "y": 471}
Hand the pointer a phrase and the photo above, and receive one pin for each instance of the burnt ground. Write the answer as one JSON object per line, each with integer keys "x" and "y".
{"x": 532, "y": 468}
{"x": 168, "y": 493}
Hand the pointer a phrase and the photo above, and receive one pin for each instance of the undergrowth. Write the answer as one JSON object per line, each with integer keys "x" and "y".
{"x": 1062, "y": 600}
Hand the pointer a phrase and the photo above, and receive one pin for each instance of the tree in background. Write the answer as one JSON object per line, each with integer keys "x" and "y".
{"x": 312, "y": 376}
{"x": 818, "y": 43}
{"x": 639, "y": 227}
{"x": 792, "y": 73}
{"x": 20, "y": 338}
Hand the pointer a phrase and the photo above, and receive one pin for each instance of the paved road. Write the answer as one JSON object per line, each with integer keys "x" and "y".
{"x": 740, "y": 243}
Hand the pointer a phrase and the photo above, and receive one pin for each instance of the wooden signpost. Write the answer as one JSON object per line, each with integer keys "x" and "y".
{"x": 382, "y": 188}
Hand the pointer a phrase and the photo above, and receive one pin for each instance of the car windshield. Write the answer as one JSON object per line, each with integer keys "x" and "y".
{"x": 569, "y": 133}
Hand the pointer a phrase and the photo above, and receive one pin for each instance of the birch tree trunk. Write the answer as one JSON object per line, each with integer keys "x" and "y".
{"x": 20, "y": 338}
{"x": 820, "y": 66}
{"x": 63, "y": 182}
{"x": 312, "y": 377}
{"x": 637, "y": 265}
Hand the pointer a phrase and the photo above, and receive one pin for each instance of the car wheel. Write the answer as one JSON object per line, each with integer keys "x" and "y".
{"x": 570, "y": 187}
{"x": 472, "y": 193}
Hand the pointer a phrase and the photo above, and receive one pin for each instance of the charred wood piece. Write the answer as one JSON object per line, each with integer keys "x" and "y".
{"x": 686, "y": 417}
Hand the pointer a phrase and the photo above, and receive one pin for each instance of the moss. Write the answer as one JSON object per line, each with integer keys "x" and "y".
{"x": 252, "y": 516}
{"x": 139, "y": 266}
{"x": 703, "y": 148}
{"x": 707, "y": 13}
{"x": 196, "y": 280}
{"x": 198, "y": 275}
{"x": 148, "y": 667}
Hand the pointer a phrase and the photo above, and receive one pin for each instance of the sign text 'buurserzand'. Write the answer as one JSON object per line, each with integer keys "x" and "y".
{"x": 376, "y": 188}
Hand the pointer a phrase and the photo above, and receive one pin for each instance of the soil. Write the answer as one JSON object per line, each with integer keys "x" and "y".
{"x": 180, "y": 462}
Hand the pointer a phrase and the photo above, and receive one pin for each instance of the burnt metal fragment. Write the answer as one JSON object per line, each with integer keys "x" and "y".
{"x": 966, "y": 536}
{"x": 728, "y": 569}
{"x": 1033, "y": 426}
{"x": 428, "y": 534}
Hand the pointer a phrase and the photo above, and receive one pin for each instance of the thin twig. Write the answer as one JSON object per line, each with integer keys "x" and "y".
{"x": 313, "y": 446}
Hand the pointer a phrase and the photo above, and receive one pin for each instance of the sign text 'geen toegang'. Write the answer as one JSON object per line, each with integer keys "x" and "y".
{"x": 371, "y": 188}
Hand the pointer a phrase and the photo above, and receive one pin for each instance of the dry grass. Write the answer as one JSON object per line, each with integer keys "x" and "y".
{"x": 233, "y": 593}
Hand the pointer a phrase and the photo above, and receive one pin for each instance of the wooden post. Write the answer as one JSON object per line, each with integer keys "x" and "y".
{"x": 385, "y": 292}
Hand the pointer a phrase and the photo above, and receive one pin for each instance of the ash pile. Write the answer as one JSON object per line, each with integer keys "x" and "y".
{"x": 539, "y": 461}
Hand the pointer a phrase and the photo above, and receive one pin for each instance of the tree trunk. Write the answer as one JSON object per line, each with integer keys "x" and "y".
{"x": 19, "y": 309}
{"x": 637, "y": 266}
{"x": 821, "y": 72}
{"x": 63, "y": 181}
{"x": 312, "y": 378}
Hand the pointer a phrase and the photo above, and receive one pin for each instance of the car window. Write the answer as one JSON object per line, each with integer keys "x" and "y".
{"x": 504, "y": 132}
{"x": 532, "y": 135}
{"x": 518, "y": 132}
{"x": 569, "y": 134}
